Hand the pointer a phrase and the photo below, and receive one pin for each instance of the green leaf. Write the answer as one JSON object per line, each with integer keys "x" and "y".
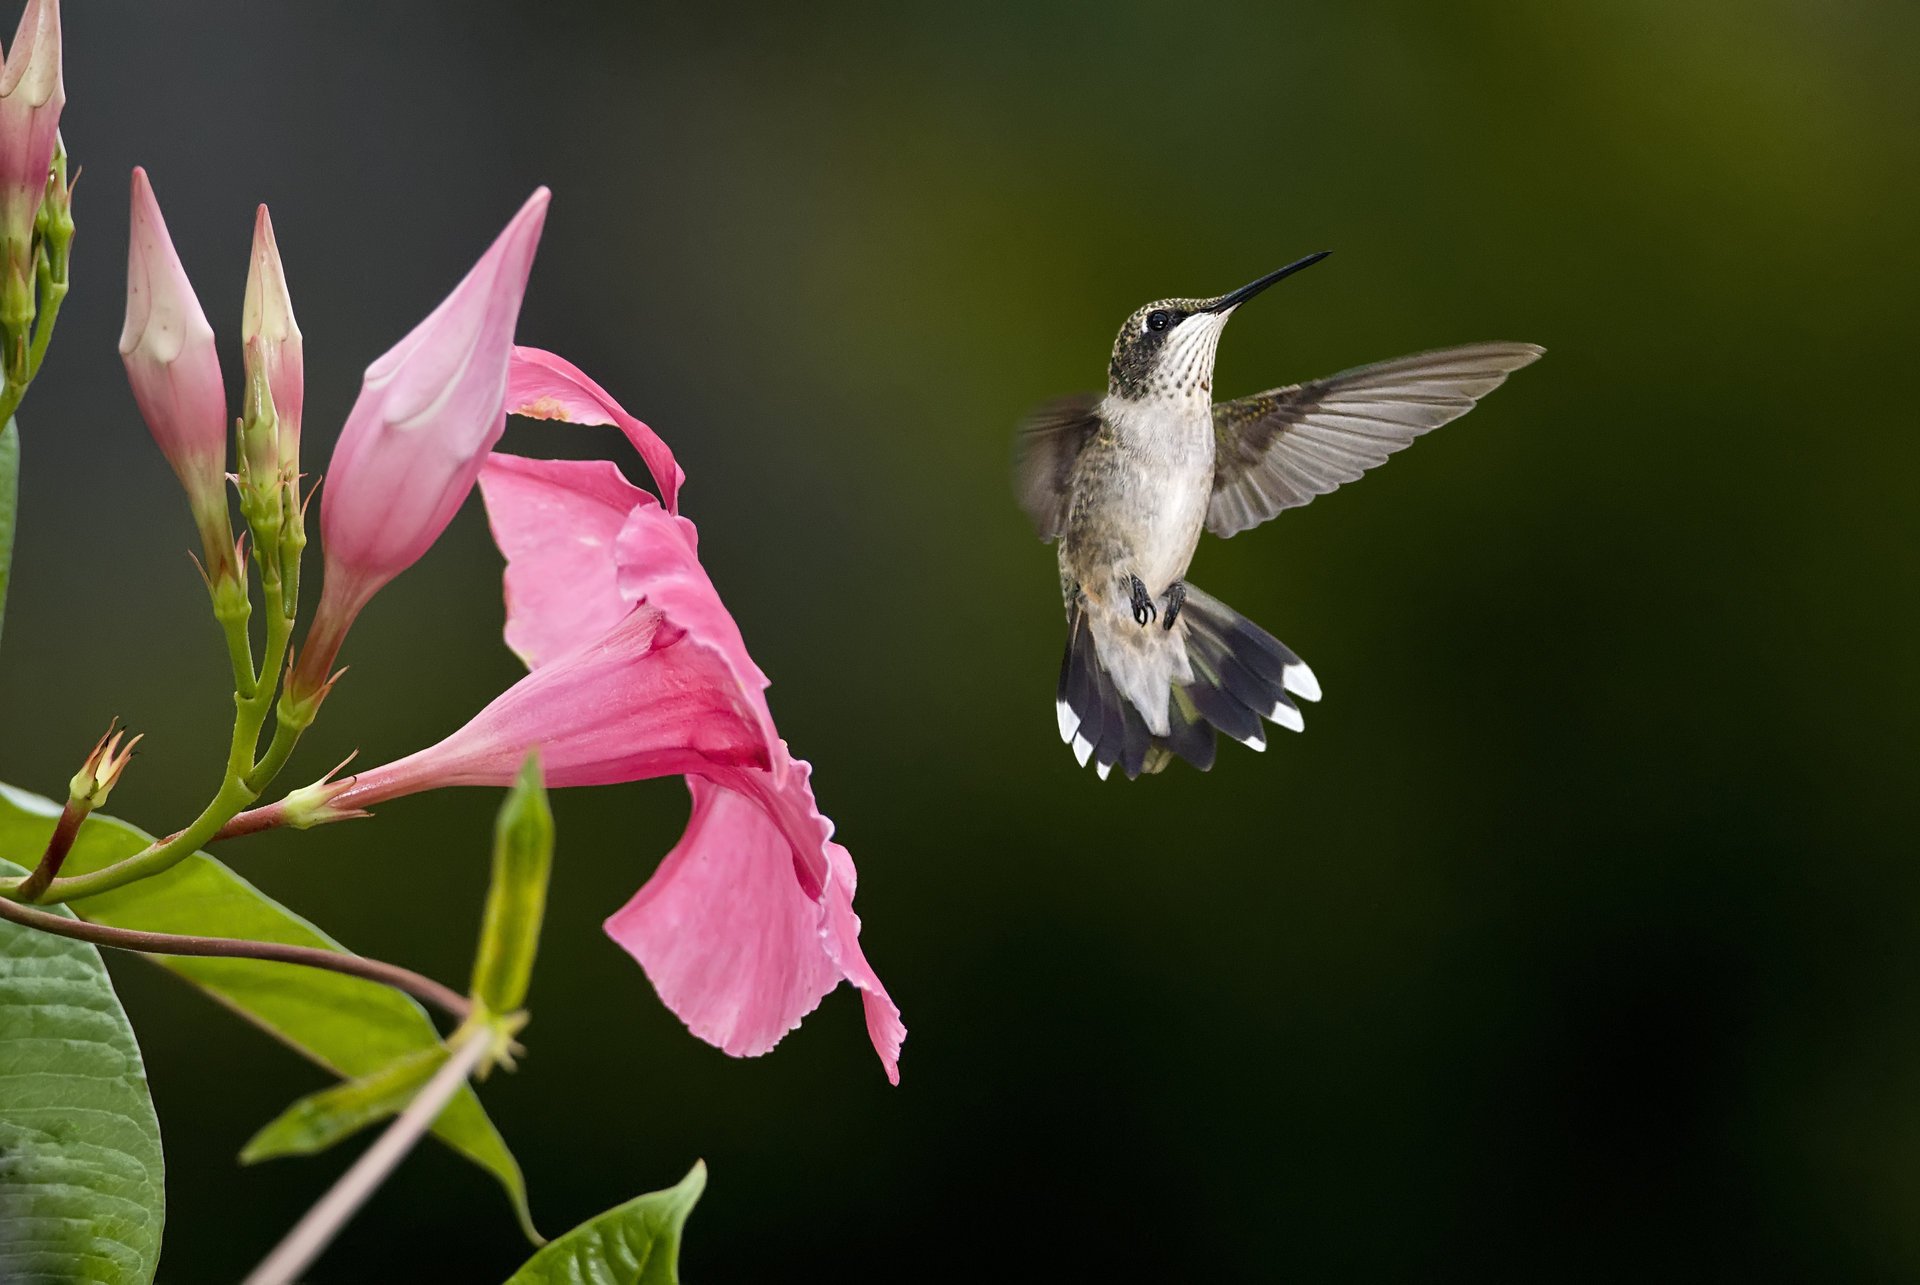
{"x": 349, "y": 1026}
{"x": 637, "y": 1243}
{"x": 321, "y": 1119}
{"x": 9, "y": 506}
{"x": 82, "y": 1182}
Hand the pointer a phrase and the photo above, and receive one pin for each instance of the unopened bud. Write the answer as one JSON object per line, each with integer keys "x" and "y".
{"x": 428, "y": 414}
{"x": 168, "y": 349}
{"x": 32, "y": 93}
{"x": 273, "y": 343}
{"x": 54, "y": 224}
{"x": 517, "y": 896}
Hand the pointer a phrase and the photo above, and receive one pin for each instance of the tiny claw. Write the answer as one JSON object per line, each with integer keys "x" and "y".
{"x": 1176, "y": 599}
{"x": 1143, "y": 609}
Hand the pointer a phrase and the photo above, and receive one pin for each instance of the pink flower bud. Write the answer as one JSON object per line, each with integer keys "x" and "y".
{"x": 272, "y": 337}
{"x": 428, "y": 413}
{"x": 31, "y": 96}
{"x": 169, "y": 352}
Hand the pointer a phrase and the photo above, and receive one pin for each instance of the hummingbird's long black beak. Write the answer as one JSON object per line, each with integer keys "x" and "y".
{"x": 1227, "y": 302}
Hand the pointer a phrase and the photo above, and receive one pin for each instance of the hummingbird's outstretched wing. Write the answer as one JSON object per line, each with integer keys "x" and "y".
{"x": 1044, "y": 450}
{"x": 1278, "y": 449}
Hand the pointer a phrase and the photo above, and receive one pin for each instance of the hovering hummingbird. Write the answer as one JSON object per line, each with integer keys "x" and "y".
{"x": 1126, "y": 482}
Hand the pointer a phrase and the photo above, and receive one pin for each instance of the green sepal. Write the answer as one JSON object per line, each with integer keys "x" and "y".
{"x": 320, "y": 1120}
{"x": 82, "y": 1179}
{"x": 517, "y": 895}
{"x": 637, "y": 1243}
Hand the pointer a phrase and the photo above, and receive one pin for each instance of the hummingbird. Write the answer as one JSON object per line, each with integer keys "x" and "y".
{"x": 1127, "y": 482}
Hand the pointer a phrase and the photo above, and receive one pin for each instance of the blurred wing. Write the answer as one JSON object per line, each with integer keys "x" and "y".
{"x": 1277, "y": 450}
{"x": 1044, "y": 450}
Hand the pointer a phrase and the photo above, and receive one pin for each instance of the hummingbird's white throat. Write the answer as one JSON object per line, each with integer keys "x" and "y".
{"x": 1185, "y": 368}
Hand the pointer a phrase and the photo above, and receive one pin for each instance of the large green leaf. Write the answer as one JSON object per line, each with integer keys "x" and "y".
{"x": 637, "y": 1243}
{"x": 82, "y": 1183}
{"x": 9, "y": 505}
{"x": 350, "y": 1026}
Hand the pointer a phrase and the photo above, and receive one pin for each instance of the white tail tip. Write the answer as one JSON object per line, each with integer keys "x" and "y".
{"x": 1299, "y": 680}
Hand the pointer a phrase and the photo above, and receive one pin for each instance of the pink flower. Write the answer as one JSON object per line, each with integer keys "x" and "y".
{"x": 428, "y": 413}
{"x": 638, "y": 670}
{"x": 272, "y": 337}
{"x": 32, "y": 93}
{"x": 168, "y": 349}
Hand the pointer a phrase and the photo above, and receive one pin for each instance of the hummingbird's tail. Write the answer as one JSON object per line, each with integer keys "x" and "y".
{"x": 1241, "y": 674}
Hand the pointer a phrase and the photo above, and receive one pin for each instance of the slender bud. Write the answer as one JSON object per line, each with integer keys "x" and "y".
{"x": 54, "y": 226}
{"x": 272, "y": 340}
{"x": 428, "y": 414}
{"x": 168, "y": 349}
{"x": 517, "y": 896}
{"x": 32, "y": 92}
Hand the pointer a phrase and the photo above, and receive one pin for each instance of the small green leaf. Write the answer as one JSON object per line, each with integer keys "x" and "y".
{"x": 82, "y": 1182}
{"x": 517, "y": 894}
{"x": 637, "y": 1243}
{"x": 349, "y": 1026}
{"x": 9, "y": 505}
{"x": 321, "y": 1119}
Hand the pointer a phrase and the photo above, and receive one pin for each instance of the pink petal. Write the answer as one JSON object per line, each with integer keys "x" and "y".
{"x": 731, "y": 943}
{"x": 557, "y": 522}
{"x": 658, "y": 565}
{"x": 543, "y": 386}
{"x": 640, "y": 701}
{"x": 841, "y": 939}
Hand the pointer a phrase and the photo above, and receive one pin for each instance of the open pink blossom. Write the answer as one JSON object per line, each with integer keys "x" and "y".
{"x": 638, "y": 670}
{"x": 174, "y": 368}
{"x": 428, "y": 413}
{"x": 32, "y": 94}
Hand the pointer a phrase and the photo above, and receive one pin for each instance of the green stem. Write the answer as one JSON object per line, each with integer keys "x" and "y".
{"x": 246, "y": 684}
{"x": 151, "y": 943}
{"x": 9, "y": 502}
{"x": 246, "y": 778}
{"x": 156, "y": 858}
{"x": 64, "y": 832}
{"x": 53, "y": 294}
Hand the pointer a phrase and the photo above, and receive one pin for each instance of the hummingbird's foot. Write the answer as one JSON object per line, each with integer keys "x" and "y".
{"x": 1176, "y": 599}
{"x": 1143, "y": 608}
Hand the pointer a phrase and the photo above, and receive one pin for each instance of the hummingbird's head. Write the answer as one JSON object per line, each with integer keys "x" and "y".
{"x": 1166, "y": 349}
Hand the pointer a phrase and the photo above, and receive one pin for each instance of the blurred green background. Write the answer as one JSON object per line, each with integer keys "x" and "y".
{"x": 1577, "y": 938}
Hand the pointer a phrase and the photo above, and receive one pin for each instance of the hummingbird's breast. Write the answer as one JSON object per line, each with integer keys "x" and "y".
{"x": 1141, "y": 493}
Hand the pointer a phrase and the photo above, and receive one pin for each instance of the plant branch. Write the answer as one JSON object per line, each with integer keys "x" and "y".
{"x": 313, "y": 1233}
{"x": 58, "y": 846}
{"x": 415, "y": 984}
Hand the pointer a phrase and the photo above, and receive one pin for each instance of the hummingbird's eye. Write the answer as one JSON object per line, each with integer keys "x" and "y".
{"x": 1158, "y": 320}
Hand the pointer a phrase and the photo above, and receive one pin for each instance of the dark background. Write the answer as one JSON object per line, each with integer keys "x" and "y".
{"x": 1578, "y": 937}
